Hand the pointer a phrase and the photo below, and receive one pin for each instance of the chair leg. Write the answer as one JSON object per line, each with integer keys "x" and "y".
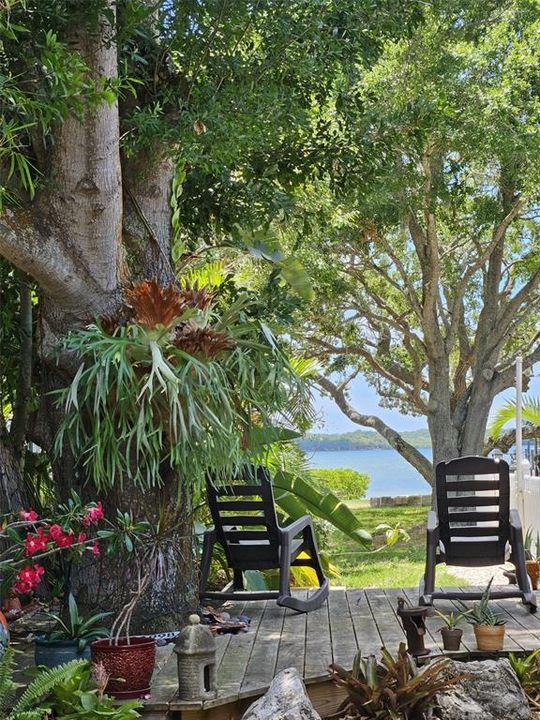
{"x": 427, "y": 584}
{"x": 238, "y": 580}
{"x": 523, "y": 580}
{"x": 319, "y": 596}
{"x": 206, "y": 560}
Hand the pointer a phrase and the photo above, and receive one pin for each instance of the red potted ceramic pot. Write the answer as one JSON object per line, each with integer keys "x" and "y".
{"x": 129, "y": 664}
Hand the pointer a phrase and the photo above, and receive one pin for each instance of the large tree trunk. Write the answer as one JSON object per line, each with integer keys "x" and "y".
{"x": 12, "y": 494}
{"x": 71, "y": 240}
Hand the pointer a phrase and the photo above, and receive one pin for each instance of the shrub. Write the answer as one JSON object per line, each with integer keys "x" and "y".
{"x": 347, "y": 484}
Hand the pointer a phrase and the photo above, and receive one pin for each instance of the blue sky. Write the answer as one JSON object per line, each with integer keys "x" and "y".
{"x": 365, "y": 400}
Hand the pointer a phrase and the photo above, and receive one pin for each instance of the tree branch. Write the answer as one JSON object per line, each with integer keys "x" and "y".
{"x": 405, "y": 449}
{"x": 38, "y": 253}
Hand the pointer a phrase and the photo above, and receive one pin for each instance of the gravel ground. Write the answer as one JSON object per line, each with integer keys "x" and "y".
{"x": 480, "y": 576}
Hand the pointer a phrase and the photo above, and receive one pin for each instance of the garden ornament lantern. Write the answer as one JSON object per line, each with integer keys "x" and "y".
{"x": 196, "y": 652}
{"x": 414, "y": 624}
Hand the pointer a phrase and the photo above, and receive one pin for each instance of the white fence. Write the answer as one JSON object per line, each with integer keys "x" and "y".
{"x": 527, "y": 501}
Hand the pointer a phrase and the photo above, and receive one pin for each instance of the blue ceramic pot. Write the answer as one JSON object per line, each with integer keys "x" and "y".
{"x": 4, "y": 635}
{"x": 57, "y": 652}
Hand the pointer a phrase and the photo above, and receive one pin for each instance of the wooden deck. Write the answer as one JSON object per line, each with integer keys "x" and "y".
{"x": 279, "y": 638}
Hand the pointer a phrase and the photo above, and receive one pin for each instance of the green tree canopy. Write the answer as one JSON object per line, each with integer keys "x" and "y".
{"x": 428, "y": 264}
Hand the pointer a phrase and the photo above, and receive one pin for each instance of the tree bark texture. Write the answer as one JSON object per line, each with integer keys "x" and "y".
{"x": 74, "y": 240}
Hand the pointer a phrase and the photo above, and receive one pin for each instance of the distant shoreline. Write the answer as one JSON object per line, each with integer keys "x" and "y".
{"x": 357, "y": 449}
{"x": 360, "y": 440}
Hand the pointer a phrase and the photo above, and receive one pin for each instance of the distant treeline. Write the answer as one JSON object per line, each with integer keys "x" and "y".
{"x": 359, "y": 440}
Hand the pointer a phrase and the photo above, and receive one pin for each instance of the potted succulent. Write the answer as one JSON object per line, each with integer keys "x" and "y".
{"x": 70, "y": 640}
{"x": 488, "y": 626}
{"x": 532, "y": 547}
{"x": 451, "y": 634}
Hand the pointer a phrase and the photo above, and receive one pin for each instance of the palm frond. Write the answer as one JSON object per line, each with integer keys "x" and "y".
{"x": 507, "y": 413}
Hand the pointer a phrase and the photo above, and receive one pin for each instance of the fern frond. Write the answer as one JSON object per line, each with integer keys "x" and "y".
{"x": 45, "y": 682}
{"x": 7, "y": 686}
{"x": 37, "y": 714}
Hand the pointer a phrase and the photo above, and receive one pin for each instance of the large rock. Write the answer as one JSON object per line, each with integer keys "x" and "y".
{"x": 286, "y": 699}
{"x": 490, "y": 692}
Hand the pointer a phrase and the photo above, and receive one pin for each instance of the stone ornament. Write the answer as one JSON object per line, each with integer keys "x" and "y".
{"x": 196, "y": 653}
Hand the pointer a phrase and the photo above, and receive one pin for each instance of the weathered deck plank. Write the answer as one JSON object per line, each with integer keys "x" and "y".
{"x": 368, "y": 638}
{"x": 231, "y": 671}
{"x": 279, "y": 638}
{"x": 384, "y": 618}
{"x": 343, "y": 637}
{"x": 292, "y": 646}
{"x": 262, "y": 663}
{"x": 318, "y": 644}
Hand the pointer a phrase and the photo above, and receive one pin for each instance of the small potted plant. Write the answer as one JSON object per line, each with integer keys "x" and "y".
{"x": 451, "y": 634}
{"x": 129, "y": 659}
{"x": 532, "y": 547}
{"x": 70, "y": 640}
{"x": 488, "y": 626}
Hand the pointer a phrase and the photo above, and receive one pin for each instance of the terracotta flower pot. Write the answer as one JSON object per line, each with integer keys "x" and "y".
{"x": 11, "y": 603}
{"x": 451, "y": 638}
{"x": 130, "y": 666}
{"x": 489, "y": 638}
{"x": 533, "y": 571}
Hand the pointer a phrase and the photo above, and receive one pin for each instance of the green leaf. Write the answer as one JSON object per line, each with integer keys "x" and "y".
{"x": 296, "y": 497}
{"x": 295, "y": 274}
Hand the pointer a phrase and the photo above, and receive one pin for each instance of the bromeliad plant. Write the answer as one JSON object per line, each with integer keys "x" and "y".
{"x": 527, "y": 670}
{"x": 179, "y": 378}
{"x": 391, "y": 688}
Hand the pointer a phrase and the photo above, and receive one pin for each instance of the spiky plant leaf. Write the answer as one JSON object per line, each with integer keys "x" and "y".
{"x": 140, "y": 401}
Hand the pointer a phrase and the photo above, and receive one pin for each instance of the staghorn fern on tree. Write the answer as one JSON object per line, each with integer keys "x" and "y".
{"x": 181, "y": 377}
{"x": 30, "y": 705}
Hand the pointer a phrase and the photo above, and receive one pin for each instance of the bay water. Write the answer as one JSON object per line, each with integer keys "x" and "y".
{"x": 389, "y": 473}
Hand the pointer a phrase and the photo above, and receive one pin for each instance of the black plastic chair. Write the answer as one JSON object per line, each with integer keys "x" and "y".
{"x": 246, "y": 526}
{"x": 473, "y": 529}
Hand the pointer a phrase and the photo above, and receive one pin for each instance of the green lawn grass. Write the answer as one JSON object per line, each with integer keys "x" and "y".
{"x": 399, "y": 566}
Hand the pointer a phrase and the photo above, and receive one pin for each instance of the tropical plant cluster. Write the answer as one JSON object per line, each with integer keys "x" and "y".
{"x": 527, "y": 669}
{"x": 182, "y": 377}
{"x": 391, "y": 688}
{"x": 66, "y": 692}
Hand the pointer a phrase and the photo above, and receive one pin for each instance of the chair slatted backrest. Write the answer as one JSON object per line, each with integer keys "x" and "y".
{"x": 473, "y": 526}
{"x": 245, "y": 519}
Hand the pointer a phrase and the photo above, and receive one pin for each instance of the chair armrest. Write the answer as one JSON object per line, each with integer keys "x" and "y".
{"x": 515, "y": 520}
{"x": 297, "y": 526}
{"x": 432, "y": 523}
